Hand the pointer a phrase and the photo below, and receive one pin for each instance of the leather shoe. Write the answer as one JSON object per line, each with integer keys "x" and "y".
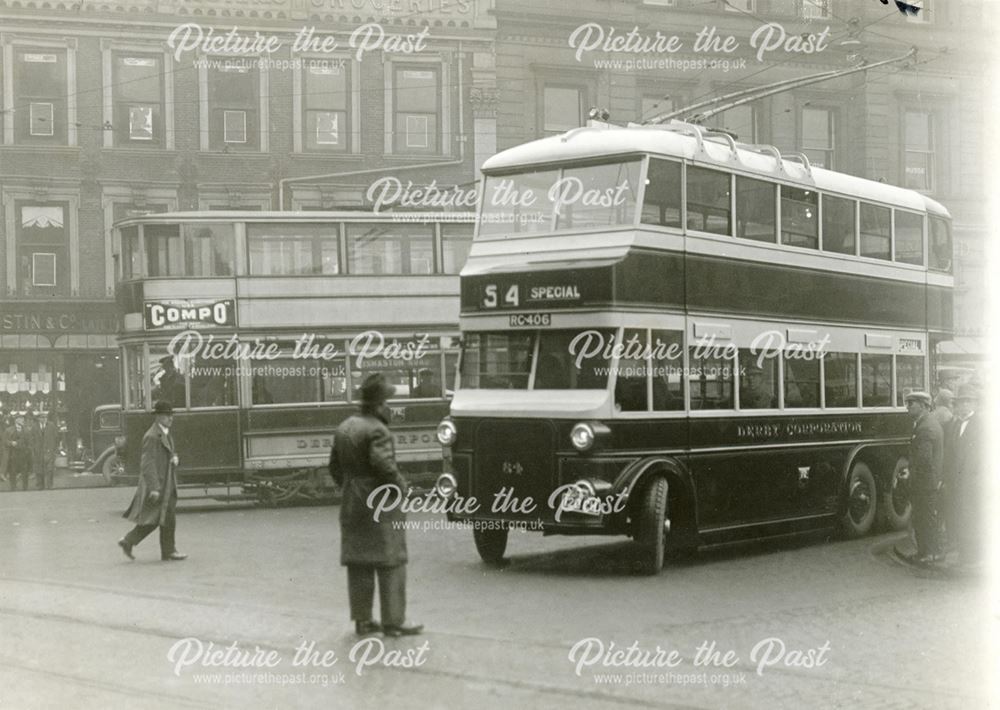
{"x": 126, "y": 548}
{"x": 174, "y": 556}
{"x": 403, "y": 629}
{"x": 367, "y": 628}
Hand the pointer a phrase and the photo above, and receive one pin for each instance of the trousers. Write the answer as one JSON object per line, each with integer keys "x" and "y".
{"x": 925, "y": 521}
{"x": 391, "y": 592}
{"x": 167, "y": 530}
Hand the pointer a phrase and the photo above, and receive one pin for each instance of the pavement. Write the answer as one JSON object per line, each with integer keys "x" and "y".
{"x": 257, "y": 617}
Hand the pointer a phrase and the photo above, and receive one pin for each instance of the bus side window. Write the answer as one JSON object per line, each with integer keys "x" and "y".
{"x": 758, "y": 382}
{"x": 630, "y": 389}
{"x": 841, "y": 379}
{"x": 876, "y": 380}
{"x": 801, "y": 382}
{"x": 668, "y": 370}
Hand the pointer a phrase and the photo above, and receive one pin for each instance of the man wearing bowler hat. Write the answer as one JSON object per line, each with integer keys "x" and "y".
{"x": 155, "y": 499}
{"x": 925, "y": 459}
{"x": 965, "y": 490}
{"x": 362, "y": 459}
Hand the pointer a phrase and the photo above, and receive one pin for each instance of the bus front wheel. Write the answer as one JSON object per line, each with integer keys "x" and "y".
{"x": 651, "y": 526}
{"x": 490, "y": 543}
{"x": 862, "y": 498}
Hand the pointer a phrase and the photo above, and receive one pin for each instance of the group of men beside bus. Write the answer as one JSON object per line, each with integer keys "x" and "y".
{"x": 945, "y": 480}
{"x": 28, "y": 446}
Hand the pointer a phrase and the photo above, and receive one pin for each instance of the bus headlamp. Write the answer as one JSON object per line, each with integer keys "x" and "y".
{"x": 582, "y": 436}
{"x": 446, "y": 432}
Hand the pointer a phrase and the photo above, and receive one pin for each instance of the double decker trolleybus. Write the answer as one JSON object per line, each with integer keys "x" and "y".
{"x": 673, "y": 336}
{"x": 259, "y": 327}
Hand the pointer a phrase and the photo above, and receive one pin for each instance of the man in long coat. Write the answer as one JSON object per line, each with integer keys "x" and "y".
{"x": 155, "y": 500}
{"x": 34, "y": 430}
{"x": 925, "y": 458}
{"x": 18, "y": 453}
{"x": 965, "y": 487}
{"x": 362, "y": 459}
{"x": 50, "y": 447}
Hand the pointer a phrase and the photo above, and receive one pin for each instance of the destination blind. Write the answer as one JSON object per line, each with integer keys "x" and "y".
{"x": 537, "y": 290}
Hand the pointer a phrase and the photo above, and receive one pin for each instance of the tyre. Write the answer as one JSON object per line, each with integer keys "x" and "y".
{"x": 491, "y": 544}
{"x": 651, "y": 526}
{"x": 862, "y": 498}
{"x": 113, "y": 469}
{"x": 894, "y": 504}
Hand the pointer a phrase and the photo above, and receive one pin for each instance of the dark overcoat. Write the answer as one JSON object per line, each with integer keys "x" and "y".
{"x": 156, "y": 473}
{"x": 964, "y": 463}
{"x": 35, "y": 442}
{"x": 18, "y": 445}
{"x": 363, "y": 457}
{"x": 926, "y": 453}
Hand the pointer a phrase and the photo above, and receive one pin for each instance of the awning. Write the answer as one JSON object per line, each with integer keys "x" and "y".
{"x": 963, "y": 345}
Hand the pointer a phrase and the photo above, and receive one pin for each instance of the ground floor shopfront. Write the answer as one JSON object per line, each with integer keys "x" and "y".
{"x": 59, "y": 357}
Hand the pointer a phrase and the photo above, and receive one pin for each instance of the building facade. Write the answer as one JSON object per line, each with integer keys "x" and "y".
{"x": 919, "y": 123}
{"x": 113, "y": 109}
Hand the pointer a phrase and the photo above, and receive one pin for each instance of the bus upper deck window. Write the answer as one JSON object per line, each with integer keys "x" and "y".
{"x": 875, "y": 231}
{"x": 708, "y": 208}
{"x": 940, "y": 244}
{"x": 838, "y": 225}
{"x": 755, "y": 212}
{"x": 909, "y": 231}
{"x": 517, "y": 204}
{"x": 597, "y": 195}
{"x": 662, "y": 203}
{"x": 799, "y": 217}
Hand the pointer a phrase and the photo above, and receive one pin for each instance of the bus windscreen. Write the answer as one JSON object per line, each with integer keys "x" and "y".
{"x": 566, "y": 359}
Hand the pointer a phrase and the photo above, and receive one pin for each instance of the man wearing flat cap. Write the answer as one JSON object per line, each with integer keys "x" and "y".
{"x": 362, "y": 459}
{"x": 155, "y": 500}
{"x": 966, "y": 494}
{"x": 925, "y": 459}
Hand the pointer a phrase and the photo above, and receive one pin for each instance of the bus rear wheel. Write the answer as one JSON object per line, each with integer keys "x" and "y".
{"x": 651, "y": 530}
{"x": 490, "y": 543}
{"x": 894, "y": 505}
{"x": 862, "y": 497}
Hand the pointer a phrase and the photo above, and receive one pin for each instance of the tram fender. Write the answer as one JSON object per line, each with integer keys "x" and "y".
{"x": 636, "y": 474}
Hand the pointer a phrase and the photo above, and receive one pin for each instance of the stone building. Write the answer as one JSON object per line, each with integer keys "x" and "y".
{"x": 114, "y": 108}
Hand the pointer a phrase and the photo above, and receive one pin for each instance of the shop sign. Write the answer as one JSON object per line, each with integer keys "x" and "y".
{"x": 188, "y": 313}
{"x": 58, "y": 319}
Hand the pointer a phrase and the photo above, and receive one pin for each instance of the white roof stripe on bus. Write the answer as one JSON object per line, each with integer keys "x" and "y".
{"x": 603, "y": 140}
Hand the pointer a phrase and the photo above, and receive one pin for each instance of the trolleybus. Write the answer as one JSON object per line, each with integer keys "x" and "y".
{"x": 260, "y": 326}
{"x": 673, "y": 336}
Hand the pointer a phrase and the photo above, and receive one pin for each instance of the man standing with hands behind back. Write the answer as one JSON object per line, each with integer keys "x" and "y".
{"x": 155, "y": 500}
{"x": 362, "y": 459}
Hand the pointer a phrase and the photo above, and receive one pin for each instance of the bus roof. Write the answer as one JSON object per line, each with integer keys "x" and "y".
{"x": 687, "y": 141}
